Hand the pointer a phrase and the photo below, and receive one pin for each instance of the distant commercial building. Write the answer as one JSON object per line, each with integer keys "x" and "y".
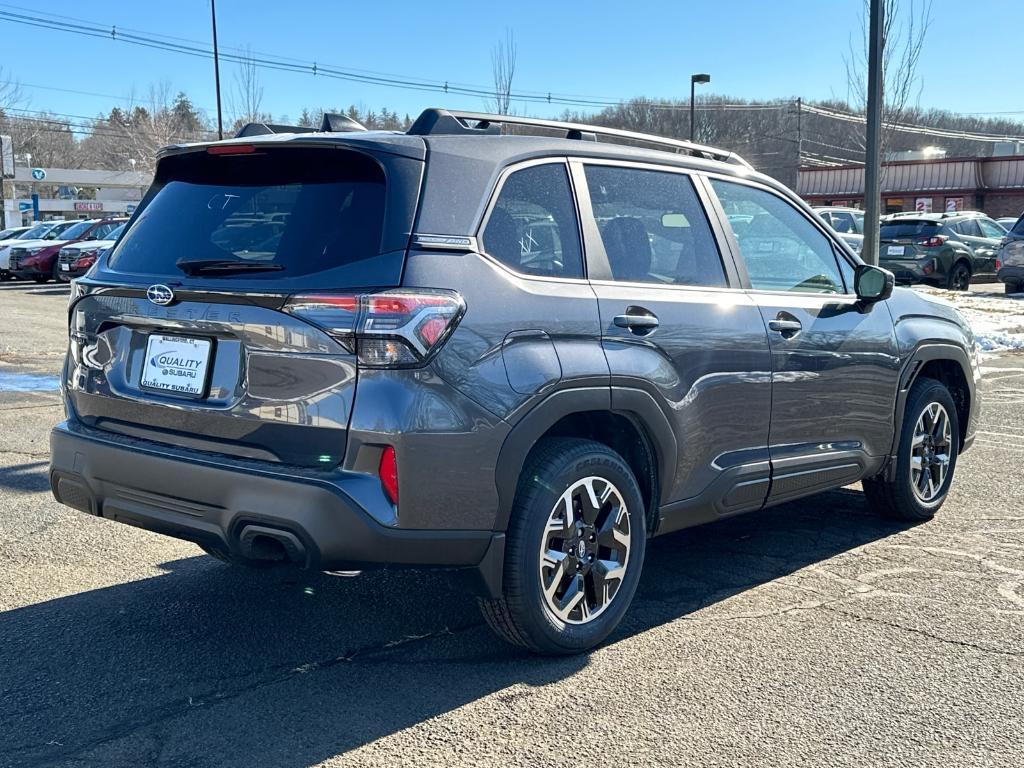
{"x": 994, "y": 185}
{"x": 61, "y": 193}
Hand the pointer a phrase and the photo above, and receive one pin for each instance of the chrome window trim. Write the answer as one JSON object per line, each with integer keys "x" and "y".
{"x": 485, "y": 218}
{"x": 839, "y": 247}
{"x": 693, "y": 175}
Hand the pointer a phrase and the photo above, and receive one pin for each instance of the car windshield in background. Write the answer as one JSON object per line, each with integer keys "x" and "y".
{"x": 37, "y": 232}
{"x": 116, "y": 233}
{"x": 290, "y": 211}
{"x": 58, "y": 231}
{"x": 77, "y": 231}
{"x": 904, "y": 229}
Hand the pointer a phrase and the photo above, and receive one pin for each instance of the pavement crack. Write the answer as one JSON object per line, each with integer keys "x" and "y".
{"x": 923, "y": 633}
{"x": 169, "y": 711}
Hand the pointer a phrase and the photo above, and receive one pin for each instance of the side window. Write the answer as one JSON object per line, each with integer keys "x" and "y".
{"x": 990, "y": 229}
{"x": 782, "y": 250}
{"x": 859, "y": 223}
{"x": 653, "y": 227}
{"x": 533, "y": 227}
{"x": 968, "y": 227}
{"x": 843, "y": 222}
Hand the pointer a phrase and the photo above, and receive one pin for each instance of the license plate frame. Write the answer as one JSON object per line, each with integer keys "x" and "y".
{"x": 195, "y": 354}
{"x": 896, "y": 250}
{"x": 65, "y": 267}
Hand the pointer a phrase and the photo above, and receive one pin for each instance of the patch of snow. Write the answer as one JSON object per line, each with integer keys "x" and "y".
{"x": 997, "y": 319}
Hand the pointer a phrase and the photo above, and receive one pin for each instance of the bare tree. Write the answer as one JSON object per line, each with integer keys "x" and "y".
{"x": 129, "y": 137}
{"x": 11, "y": 95}
{"x": 503, "y": 69}
{"x": 905, "y": 25}
{"x": 246, "y": 96}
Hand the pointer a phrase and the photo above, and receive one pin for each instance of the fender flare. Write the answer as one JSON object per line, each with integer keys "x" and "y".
{"x": 632, "y": 403}
{"x": 923, "y": 353}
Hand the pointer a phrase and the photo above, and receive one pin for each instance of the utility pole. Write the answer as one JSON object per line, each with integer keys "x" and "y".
{"x": 873, "y": 159}
{"x": 216, "y": 69}
{"x": 799, "y": 138}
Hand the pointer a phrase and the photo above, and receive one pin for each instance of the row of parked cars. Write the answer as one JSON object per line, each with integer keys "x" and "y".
{"x": 55, "y": 250}
{"x": 947, "y": 250}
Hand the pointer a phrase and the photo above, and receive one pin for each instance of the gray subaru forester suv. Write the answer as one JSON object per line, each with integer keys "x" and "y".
{"x": 469, "y": 347}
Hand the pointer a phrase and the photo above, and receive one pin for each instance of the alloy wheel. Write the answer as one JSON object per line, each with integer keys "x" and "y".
{"x": 584, "y": 551}
{"x": 930, "y": 452}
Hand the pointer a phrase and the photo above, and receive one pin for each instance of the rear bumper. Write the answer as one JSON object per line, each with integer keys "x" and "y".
{"x": 1011, "y": 274}
{"x": 228, "y": 507}
{"x": 69, "y": 275}
{"x": 911, "y": 270}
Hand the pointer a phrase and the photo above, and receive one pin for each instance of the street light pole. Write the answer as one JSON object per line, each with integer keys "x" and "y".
{"x": 694, "y": 79}
{"x": 216, "y": 69}
{"x": 873, "y": 158}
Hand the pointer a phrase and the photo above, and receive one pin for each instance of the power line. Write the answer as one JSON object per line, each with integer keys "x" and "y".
{"x": 907, "y": 128}
{"x": 278, "y": 63}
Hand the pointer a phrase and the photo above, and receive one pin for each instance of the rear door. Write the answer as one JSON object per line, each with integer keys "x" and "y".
{"x": 183, "y": 337}
{"x": 970, "y": 234}
{"x": 677, "y": 326}
{"x": 988, "y": 252}
{"x": 835, "y": 363}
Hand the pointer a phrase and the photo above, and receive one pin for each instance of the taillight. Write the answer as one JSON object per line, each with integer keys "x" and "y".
{"x": 389, "y": 329}
{"x": 388, "y": 472}
{"x": 231, "y": 149}
{"x": 999, "y": 264}
{"x": 933, "y": 242}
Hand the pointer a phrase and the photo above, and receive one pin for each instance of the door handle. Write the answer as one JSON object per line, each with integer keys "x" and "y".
{"x": 636, "y": 320}
{"x": 786, "y": 327}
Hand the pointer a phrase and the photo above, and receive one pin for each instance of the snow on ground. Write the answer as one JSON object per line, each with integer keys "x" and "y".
{"x": 996, "y": 318}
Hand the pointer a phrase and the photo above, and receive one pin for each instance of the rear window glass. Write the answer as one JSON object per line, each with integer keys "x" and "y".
{"x": 296, "y": 211}
{"x": 1018, "y": 228}
{"x": 902, "y": 229}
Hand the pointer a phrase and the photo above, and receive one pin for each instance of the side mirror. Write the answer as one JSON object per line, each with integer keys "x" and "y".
{"x": 872, "y": 283}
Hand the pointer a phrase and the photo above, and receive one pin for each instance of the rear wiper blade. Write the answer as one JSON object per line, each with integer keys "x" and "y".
{"x": 223, "y": 266}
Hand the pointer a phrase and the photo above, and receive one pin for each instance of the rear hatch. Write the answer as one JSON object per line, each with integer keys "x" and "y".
{"x": 909, "y": 239}
{"x": 184, "y": 333}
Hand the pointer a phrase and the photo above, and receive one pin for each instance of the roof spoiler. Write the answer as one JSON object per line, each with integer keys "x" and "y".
{"x": 331, "y": 123}
{"x": 438, "y": 122}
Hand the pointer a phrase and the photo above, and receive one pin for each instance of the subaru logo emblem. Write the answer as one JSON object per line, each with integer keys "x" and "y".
{"x": 160, "y": 294}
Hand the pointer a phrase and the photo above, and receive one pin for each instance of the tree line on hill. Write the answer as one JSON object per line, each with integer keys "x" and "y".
{"x": 776, "y": 136}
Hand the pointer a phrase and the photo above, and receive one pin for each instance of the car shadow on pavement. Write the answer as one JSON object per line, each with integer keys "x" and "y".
{"x": 207, "y": 664}
{"x": 31, "y": 477}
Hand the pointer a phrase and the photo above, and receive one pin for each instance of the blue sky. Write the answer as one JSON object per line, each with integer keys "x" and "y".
{"x": 753, "y": 49}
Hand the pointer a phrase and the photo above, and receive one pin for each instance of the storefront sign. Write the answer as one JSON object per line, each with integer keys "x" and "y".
{"x": 90, "y": 206}
{"x": 923, "y": 205}
{"x": 954, "y": 204}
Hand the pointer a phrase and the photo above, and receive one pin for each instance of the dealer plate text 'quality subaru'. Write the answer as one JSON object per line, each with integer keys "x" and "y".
{"x": 519, "y": 356}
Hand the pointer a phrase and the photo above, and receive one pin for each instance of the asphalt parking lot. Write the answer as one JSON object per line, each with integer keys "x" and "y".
{"x": 811, "y": 634}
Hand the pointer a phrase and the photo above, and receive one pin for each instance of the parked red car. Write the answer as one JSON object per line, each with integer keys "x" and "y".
{"x": 37, "y": 260}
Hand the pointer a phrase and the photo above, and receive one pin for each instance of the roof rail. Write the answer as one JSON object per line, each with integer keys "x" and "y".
{"x": 332, "y": 123}
{"x": 436, "y": 122}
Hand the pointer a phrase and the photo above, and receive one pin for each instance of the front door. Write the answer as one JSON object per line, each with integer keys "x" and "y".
{"x": 835, "y": 363}
{"x": 678, "y": 327}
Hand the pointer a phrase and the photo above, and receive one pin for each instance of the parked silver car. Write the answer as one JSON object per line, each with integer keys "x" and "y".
{"x": 847, "y": 222}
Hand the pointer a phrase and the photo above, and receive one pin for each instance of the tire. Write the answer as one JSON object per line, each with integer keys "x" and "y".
{"x": 560, "y": 468}
{"x": 959, "y": 278}
{"x": 1012, "y": 287}
{"x": 898, "y": 498}
{"x": 41, "y": 279}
